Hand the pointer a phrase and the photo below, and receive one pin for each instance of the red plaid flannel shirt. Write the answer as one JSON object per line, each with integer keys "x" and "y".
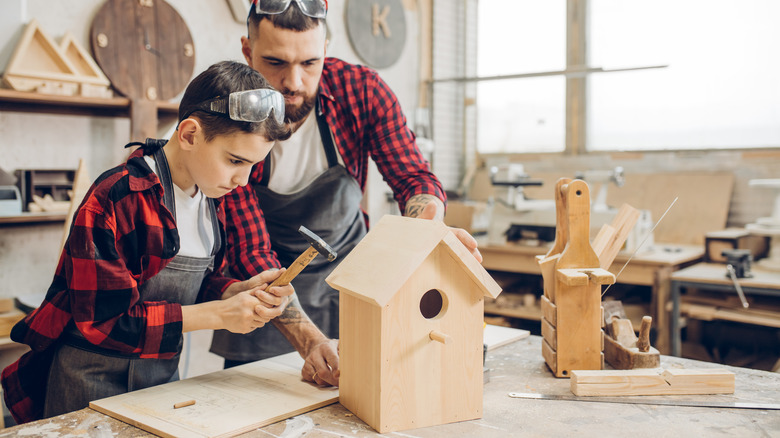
{"x": 122, "y": 235}
{"x": 366, "y": 120}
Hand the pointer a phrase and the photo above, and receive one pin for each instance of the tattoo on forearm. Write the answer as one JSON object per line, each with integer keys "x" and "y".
{"x": 416, "y": 204}
{"x": 292, "y": 313}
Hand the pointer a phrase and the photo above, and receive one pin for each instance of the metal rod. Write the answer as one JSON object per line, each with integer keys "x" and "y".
{"x": 733, "y": 275}
{"x": 569, "y": 73}
{"x": 640, "y": 245}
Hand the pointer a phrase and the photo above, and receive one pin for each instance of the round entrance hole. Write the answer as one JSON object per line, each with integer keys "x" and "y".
{"x": 432, "y": 304}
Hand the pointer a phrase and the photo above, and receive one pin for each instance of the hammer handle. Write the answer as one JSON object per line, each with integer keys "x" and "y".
{"x": 296, "y": 267}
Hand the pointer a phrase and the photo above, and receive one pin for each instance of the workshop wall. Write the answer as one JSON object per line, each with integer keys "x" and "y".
{"x": 28, "y": 253}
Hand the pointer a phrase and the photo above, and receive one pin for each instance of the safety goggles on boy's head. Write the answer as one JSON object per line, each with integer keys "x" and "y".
{"x": 312, "y": 8}
{"x": 246, "y": 106}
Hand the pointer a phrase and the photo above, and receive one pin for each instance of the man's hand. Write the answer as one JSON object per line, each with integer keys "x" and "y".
{"x": 322, "y": 364}
{"x": 431, "y": 207}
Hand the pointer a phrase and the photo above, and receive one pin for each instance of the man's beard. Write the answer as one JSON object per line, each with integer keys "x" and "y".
{"x": 294, "y": 114}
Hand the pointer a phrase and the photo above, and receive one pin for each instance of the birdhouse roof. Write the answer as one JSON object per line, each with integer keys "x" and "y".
{"x": 393, "y": 250}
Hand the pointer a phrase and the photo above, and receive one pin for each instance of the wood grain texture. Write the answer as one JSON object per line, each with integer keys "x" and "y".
{"x": 621, "y": 357}
{"x": 393, "y": 376}
{"x": 561, "y": 218}
{"x": 612, "y": 241}
{"x": 394, "y": 248}
{"x": 228, "y": 402}
{"x": 652, "y": 382}
{"x": 296, "y": 267}
{"x": 549, "y": 311}
{"x": 578, "y": 252}
{"x": 126, "y": 27}
{"x": 579, "y": 328}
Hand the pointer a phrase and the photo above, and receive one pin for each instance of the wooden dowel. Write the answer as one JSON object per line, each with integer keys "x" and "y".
{"x": 183, "y": 404}
{"x": 439, "y": 337}
{"x": 643, "y": 343}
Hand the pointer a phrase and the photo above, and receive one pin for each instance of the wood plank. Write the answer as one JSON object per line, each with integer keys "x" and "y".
{"x": 549, "y": 335}
{"x": 652, "y": 382}
{"x": 495, "y": 336}
{"x": 703, "y": 204}
{"x": 550, "y": 357}
{"x": 621, "y": 226}
{"x": 746, "y": 316}
{"x": 227, "y": 402}
{"x": 549, "y": 311}
{"x": 8, "y": 320}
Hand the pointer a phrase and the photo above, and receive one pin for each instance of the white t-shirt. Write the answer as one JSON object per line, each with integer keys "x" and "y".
{"x": 193, "y": 220}
{"x": 299, "y": 160}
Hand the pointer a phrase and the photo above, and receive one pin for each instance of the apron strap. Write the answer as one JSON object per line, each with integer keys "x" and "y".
{"x": 154, "y": 147}
{"x": 215, "y": 226}
{"x": 327, "y": 143}
{"x": 164, "y": 174}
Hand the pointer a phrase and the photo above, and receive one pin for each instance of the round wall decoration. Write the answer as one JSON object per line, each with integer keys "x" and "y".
{"x": 377, "y": 30}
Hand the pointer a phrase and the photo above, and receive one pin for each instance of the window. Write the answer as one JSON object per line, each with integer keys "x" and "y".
{"x": 720, "y": 89}
{"x": 525, "y": 114}
{"x": 717, "y": 87}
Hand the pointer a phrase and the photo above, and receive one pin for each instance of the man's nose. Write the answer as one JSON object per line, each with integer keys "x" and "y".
{"x": 293, "y": 78}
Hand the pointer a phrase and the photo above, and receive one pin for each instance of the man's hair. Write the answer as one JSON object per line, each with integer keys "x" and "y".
{"x": 220, "y": 80}
{"x": 291, "y": 19}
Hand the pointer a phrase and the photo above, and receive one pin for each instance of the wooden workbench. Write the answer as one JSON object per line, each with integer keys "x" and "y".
{"x": 517, "y": 367}
{"x": 648, "y": 268}
{"x": 712, "y": 276}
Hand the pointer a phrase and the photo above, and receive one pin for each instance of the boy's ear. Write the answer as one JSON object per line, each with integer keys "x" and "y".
{"x": 187, "y": 132}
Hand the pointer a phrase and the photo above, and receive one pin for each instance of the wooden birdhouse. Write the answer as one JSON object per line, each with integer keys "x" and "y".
{"x": 411, "y": 322}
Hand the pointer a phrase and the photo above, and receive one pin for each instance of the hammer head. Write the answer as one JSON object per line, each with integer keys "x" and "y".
{"x": 317, "y": 243}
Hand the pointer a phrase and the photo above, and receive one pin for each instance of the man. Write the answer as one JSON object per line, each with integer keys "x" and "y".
{"x": 341, "y": 115}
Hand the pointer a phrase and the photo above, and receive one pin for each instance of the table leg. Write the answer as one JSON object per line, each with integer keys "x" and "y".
{"x": 675, "y": 326}
{"x": 659, "y": 303}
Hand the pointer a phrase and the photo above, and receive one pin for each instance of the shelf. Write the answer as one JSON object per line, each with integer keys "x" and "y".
{"x": 12, "y": 100}
{"x": 32, "y": 218}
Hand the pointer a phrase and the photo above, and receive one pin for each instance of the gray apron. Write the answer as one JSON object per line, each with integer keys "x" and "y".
{"x": 82, "y": 372}
{"x": 329, "y": 207}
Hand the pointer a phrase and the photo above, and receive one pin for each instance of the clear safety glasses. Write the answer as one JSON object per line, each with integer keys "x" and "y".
{"x": 246, "y": 106}
{"x": 312, "y": 8}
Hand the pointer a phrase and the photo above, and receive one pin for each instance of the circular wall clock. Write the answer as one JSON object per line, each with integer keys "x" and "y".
{"x": 144, "y": 47}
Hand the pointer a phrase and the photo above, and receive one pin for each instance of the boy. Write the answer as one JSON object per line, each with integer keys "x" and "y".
{"x": 142, "y": 261}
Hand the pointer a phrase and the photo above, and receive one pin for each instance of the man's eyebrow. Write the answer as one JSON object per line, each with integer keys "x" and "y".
{"x": 273, "y": 59}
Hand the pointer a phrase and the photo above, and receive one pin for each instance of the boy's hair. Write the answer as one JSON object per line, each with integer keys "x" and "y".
{"x": 291, "y": 19}
{"x": 221, "y": 79}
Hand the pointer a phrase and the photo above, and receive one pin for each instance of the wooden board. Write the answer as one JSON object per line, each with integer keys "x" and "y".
{"x": 496, "y": 336}
{"x": 652, "y": 382}
{"x": 227, "y": 402}
{"x": 703, "y": 204}
{"x": 8, "y": 320}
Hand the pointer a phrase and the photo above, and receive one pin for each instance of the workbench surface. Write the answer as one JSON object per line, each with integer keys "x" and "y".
{"x": 517, "y": 367}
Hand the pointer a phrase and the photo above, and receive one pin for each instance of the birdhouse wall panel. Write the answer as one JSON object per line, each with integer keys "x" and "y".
{"x": 426, "y": 382}
{"x": 359, "y": 357}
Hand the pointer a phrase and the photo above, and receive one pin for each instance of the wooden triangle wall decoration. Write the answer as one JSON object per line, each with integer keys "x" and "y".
{"x": 38, "y": 64}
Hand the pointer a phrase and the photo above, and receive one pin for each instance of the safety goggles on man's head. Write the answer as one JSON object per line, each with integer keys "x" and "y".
{"x": 312, "y": 8}
{"x": 246, "y": 106}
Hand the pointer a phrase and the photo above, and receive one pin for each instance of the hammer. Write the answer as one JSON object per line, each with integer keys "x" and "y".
{"x": 317, "y": 246}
